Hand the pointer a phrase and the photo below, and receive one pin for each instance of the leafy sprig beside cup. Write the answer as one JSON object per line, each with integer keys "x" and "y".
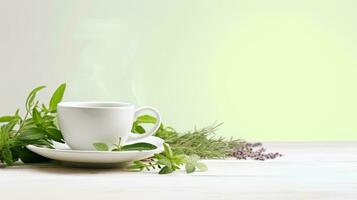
{"x": 169, "y": 162}
{"x": 38, "y": 126}
{"x": 140, "y": 146}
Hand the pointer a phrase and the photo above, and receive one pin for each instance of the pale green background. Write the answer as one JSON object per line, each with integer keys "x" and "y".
{"x": 270, "y": 70}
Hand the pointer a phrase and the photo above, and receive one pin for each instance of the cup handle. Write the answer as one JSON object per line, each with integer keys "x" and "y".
{"x": 134, "y": 136}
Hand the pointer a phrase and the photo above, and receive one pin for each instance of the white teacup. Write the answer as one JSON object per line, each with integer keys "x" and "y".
{"x": 85, "y": 123}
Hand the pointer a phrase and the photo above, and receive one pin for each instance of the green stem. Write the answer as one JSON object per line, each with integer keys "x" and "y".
{"x": 22, "y": 123}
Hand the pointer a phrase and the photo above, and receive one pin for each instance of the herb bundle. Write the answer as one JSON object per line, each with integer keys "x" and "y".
{"x": 201, "y": 142}
{"x": 205, "y": 143}
{"x": 169, "y": 161}
{"x": 39, "y": 126}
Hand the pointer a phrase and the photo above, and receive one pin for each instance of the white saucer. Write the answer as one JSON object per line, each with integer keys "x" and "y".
{"x": 62, "y": 152}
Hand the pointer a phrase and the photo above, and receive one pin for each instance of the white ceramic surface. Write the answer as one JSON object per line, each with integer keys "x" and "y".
{"x": 84, "y": 123}
{"x": 62, "y": 152}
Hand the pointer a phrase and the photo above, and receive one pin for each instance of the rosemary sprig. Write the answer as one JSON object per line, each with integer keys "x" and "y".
{"x": 202, "y": 142}
{"x": 206, "y": 144}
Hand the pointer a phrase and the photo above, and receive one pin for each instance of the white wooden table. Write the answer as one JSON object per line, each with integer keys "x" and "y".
{"x": 307, "y": 171}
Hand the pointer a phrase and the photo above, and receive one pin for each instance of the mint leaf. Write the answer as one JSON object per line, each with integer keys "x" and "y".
{"x": 30, "y": 99}
{"x": 101, "y": 146}
{"x": 54, "y": 134}
{"x": 168, "y": 151}
{"x": 190, "y": 167}
{"x": 141, "y": 146}
{"x": 165, "y": 170}
{"x": 201, "y": 166}
{"x": 147, "y": 119}
{"x": 142, "y": 119}
{"x": 7, "y": 156}
{"x": 165, "y": 161}
{"x": 137, "y": 165}
{"x": 36, "y": 116}
{"x": 6, "y": 118}
{"x": 138, "y": 129}
{"x": 10, "y": 126}
{"x": 32, "y": 134}
{"x": 181, "y": 159}
{"x": 57, "y": 97}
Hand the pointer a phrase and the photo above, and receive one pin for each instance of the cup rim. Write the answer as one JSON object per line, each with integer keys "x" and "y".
{"x": 95, "y": 104}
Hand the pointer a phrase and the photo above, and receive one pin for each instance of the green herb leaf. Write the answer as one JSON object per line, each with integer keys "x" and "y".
{"x": 142, "y": 119}
{"x": 165, "y": 170}
{"x": 168, "y": 151}
{"x": 44, "y": 108}
{"x": 30, "y": 99}
{"x": 36, "y": 116}
{"x": 138, "y": 129}
{"x": 181, "y": 159}
{"x": 101, "y": 146}
{"x": 201, "y": 166}
{"x": 141, "y": 146}
{"x": 54, "y": 134}
{"x": 6, "y": 118}
{"x": 4, "y": 138}
{"x": 10, "y": 126}
{"x": 32, "y": 134}
{"x": 137, "y": 165}
{"x": 165, "y": 161}
{"x": 37, "y": 127}
{"x": 57, "y": 97}
{"x": 190, "y": 168}
{"x": 7, "y": 156}
{"x": 147, "y": 119}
